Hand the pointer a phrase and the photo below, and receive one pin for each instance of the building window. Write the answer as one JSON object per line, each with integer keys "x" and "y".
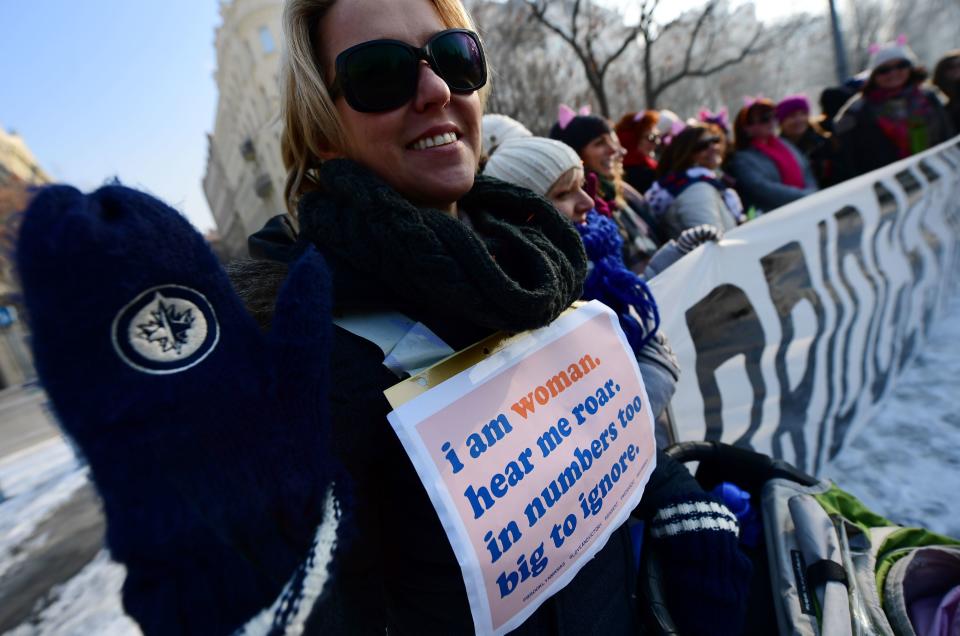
{"x": 266, "y": 40}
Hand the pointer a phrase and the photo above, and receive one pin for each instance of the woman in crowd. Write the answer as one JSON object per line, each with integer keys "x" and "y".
{"x": 793, "y": 116}
{"x": 592, "y": 138}
{"x": 719, "y": 124}
{"x": 769, "y": 171}
{"x": 946, "y": 77}
{"x": 893, "y": 117}
{"x": 550, "y": 168}
{"x": 638, "y": 135}
{"x": 832, "y": 100}
{"x": 382, "y": 178}
{"x": 688, "y": 191}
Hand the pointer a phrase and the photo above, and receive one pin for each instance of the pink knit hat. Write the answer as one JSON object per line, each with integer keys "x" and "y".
{"x": 790, "y": 105}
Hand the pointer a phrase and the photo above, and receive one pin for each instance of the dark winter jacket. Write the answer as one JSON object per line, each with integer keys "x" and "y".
{"x": 399, "y": 572}
{"x": 758, "y": 179}
{"x": 821, "y": 152}
{"x": 863, "y": 144}
{"x": 630, "y": 211}
{"x": 640, "y": 176}
{"x": 953, "y": 110}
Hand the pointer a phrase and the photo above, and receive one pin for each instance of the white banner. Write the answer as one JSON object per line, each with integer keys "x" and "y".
{"x": 792, "y": 329}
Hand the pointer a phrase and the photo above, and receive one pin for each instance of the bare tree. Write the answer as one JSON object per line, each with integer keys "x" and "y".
{"x": 865, "y": 22}
{"x": 524, "y": 74}
{"x": 586, "y": 31}
{"x": 709, "y": 43}
{"x": 930, "y": 26}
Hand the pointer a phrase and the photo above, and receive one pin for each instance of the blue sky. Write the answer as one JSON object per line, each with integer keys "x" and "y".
{"x": 104, "y": 88}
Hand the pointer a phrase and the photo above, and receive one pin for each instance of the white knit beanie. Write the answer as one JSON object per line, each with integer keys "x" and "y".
{"x": 534, "y": 163}
{"x": 667, "y": 120}
{"x": 498, "y": 129}
{"x": 896, "y": 50}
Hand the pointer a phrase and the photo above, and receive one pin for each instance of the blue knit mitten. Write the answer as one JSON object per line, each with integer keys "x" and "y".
{"x": 206, "y": 439}
{"x": 705, "y": 575}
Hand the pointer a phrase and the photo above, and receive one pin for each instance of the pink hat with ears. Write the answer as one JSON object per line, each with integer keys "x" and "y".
{"x": 880, "y": 54}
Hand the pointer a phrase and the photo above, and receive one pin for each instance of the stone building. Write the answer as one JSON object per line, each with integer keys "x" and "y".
{"x": 17, "y": 162}
{"x": 19, "y": 170}
{"x": 245, "y": 176}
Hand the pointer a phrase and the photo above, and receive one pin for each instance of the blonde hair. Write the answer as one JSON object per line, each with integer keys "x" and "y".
{"x": 311, "y": 124}
{"x": 573, "y": 176}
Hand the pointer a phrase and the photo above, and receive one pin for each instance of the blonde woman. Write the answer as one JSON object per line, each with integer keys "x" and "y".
{"x": 382, "y": 113}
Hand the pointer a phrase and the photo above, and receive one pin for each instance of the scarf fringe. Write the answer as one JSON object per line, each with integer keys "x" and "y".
{"x": 613, "y": 284}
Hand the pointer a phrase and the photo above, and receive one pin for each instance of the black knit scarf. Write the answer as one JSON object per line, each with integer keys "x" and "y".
{"x": 519, "y": 266}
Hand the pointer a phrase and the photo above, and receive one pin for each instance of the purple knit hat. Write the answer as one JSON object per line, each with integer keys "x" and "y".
{"x": 790, "y": 105}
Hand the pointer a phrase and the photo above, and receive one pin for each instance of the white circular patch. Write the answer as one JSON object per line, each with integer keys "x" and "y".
{"x": 165, "y": 330}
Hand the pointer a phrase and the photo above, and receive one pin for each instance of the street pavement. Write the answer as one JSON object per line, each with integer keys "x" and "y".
{"x": 25, "y": 420}
{"x": 51, "y": 521}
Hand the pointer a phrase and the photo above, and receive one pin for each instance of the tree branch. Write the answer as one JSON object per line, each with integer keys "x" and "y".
{"x": 620, "y": 49}
{"x": 573, "y": 19}
{"x": 751, "y": 48}
{"x": 698, "y": 25}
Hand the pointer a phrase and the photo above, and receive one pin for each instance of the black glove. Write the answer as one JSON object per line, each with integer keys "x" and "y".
{"x": 207, "y": 440}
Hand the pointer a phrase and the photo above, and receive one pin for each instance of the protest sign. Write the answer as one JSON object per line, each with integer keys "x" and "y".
{"x": 532, "y": 458}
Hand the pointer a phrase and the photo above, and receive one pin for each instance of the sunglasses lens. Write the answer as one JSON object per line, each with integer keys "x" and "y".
{"x": 380, "y": 77}
{"x": 459, "y": 61}
{"x": 709, "y": 142}
{"x": 899, "y": 66}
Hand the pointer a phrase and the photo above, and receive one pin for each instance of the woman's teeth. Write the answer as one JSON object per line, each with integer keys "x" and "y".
{"x": 438, "y": 140}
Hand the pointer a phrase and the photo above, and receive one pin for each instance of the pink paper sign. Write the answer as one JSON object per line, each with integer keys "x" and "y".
{"x": 532, "y": 459}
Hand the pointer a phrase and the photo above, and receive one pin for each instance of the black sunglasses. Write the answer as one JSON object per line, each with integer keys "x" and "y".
{"x": 762, "y": 118}
{"x": 382, "y": 75}
{"x": 899, "y": 66}
{"x": 705, "y": 143}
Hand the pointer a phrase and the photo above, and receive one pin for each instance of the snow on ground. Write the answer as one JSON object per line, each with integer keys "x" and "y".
{"x": 89, "y": 603}
{"x": 34, "y": 483}
{"x": 905, "y": 463}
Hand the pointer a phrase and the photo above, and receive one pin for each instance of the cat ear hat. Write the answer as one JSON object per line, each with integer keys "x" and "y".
{"x": 577, "y": 128}
{"x": 880, "y": 54}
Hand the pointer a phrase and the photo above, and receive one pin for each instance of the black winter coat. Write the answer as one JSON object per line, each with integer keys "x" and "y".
{"x": 398, "y": 572}
{"x": 864, "y": 147}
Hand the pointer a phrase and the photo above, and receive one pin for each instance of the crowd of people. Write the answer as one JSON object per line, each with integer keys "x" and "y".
{"x": 382, "y": 142}
{"x": 658, "y": 175}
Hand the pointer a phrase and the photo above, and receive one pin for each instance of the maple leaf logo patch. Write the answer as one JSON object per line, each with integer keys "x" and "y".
{"x": 165, "y": 330}
{"x": 167, "y": 327}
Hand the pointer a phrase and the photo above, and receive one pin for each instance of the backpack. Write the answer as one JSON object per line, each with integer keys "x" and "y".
{"x": 826, "y": 563}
